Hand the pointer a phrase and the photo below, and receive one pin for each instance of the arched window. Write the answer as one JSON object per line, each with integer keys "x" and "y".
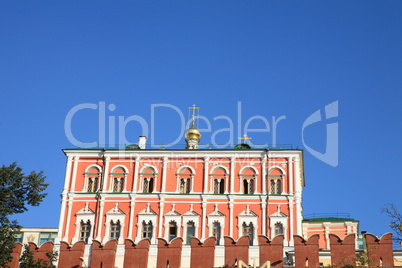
{"x": 172, "y": 230}
{"x": 249, "y": 231}
{"x": 278, "y": 229}
{"x": 85, "y": 231}
{"x": 219, "y": 177}
{"x": 248, "y": 177}
{"x": 148, "y": 177}
{"x": 275, "y": 177}
{"x": 147, "y": 229}
{"x": 92, "y": 177}
{"x": 185, "y": 176}
{"x": 115, "y": 229}
{"x": 190, "y": 231}
{"x": 118, "y": 176}
{"x": 216, "y": 231}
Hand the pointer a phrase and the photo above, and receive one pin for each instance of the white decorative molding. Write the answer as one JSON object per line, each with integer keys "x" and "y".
{"x": 278, "y": 217}
{"x": 115, "y": 215}
{"x": 193, "y": 216}
{"x": 216, "y": 216}
{"x": 248, "y": 216}
{"x": 147, "y": 215}
{"x": 84, "y": 215}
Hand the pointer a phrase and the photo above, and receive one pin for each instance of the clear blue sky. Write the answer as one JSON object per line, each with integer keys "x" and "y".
{"x": 278, "y": 58}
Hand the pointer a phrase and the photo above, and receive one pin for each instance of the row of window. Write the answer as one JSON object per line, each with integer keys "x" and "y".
{"x": 43, "y": 237}
{"x": 147, "y": 230}
{"x": 184, "y": 180}
{"x": 185, "y": 185}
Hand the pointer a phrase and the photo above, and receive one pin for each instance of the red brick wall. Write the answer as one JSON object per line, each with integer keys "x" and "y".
{"x": 342, "y": 251}
{"x": 40, "y": 253}
{"x": 306, "y": 250}
{"x": 70, "y": 256}
{"x": 235, "y": 251}
{"x": 17, "y": 250}
{"x": 136, "y": 255}
{"x": 271, "y": 251}
{"x": 169, "y": 253}
{"x": 103, "y": 256}
{"x": 202, "y": 254}
{"x": 380, "y": 249}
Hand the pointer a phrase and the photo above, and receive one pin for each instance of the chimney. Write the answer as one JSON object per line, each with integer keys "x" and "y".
{"x": 142, "y": 142}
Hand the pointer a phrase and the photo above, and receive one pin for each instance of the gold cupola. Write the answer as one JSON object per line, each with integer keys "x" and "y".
{"x": 192, "y": 135}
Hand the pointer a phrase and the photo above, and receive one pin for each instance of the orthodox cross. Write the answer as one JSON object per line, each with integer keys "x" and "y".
{"x": 193, "y": 107}
{"x": 245, "y": 138}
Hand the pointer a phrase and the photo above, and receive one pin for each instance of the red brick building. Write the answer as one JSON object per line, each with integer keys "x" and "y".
{"x": 142, "y": 193}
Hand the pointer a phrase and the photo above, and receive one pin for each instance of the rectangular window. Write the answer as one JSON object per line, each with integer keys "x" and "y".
{"x": 216, "y": 231}
{"x": 273, "y": 188}
{"x": 278, "y": 229}
{"x": 92, "y": 184}
{"x": 190, "y": 231}
{"x": 18, "y": 237}
{"x": 114, "y": 230}
{"x": 147, "y": 230}
{"x": 85, "y": 231}
{"x": 185, "y": 186}
{"x": 172, "y": 230}
{"x": 248, "y": 230}
{"x": 216, "y": 186}
{"x": 44, "y": 237}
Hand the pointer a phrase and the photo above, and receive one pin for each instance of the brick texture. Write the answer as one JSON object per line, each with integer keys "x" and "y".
{"x": 235, "y": 251}
{"x": 202, "y": 254}
{"x": 306, "y": 252}
{"x": 169, "y": 255}
{"x": 136, "y": 255}
{"x": 271, "y": 251}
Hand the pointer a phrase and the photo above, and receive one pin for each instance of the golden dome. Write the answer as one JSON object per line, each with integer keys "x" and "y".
{"x": 192, "y": 133}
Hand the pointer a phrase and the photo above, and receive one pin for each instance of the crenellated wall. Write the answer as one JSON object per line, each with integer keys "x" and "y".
{"x": 306, "y": 252}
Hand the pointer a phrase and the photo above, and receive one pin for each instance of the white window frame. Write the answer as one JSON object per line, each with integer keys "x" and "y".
{"x": 114, "y": 175}
{"x": 147, "y": 175}
{"x": 87, "y": 177}
{"x": 83, "y": 215}
{"x": 147, "y": 215}
{"x": 243, "y": 177}
{"x": 115, "y": 214}
{"x": 282, "y": 178}
{"x": 190, "y": 176}
{"x": 225, "y": 177}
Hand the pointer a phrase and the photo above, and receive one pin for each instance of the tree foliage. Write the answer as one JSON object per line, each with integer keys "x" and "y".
{"x": 396, "y": 220}
{"x": 17, "y": 191}
{"x": 27, "y": 259}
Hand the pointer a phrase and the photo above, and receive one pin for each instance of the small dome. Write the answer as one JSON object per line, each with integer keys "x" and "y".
{"x": 242, "y": 146}
{"x": 192, "y": 133}
{"x": 133, "y": 147}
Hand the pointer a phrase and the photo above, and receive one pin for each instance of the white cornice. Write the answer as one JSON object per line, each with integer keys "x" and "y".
{"x": 123, "y": 154}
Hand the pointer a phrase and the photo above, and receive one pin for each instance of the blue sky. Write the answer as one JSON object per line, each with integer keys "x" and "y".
{"x": 274, "y": 58}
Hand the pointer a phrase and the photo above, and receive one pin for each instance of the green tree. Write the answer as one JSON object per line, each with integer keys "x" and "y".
{"x": 17, "y": 191}
{"x": 396, "y": 221}
{"x": 27, "y": 259}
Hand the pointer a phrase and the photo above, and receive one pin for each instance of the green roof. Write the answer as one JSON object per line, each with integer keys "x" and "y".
{"x": 328, "y": 219}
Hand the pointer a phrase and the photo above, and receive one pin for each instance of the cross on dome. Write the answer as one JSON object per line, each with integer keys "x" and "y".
{"x": 245, "y": 138}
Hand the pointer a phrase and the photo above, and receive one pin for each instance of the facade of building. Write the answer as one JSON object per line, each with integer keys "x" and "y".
{"x": 39, "y": 236}
{"x": 142, "y": 193}
{"x": 326, "y": 224}
{"x": 194, "y": 207}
